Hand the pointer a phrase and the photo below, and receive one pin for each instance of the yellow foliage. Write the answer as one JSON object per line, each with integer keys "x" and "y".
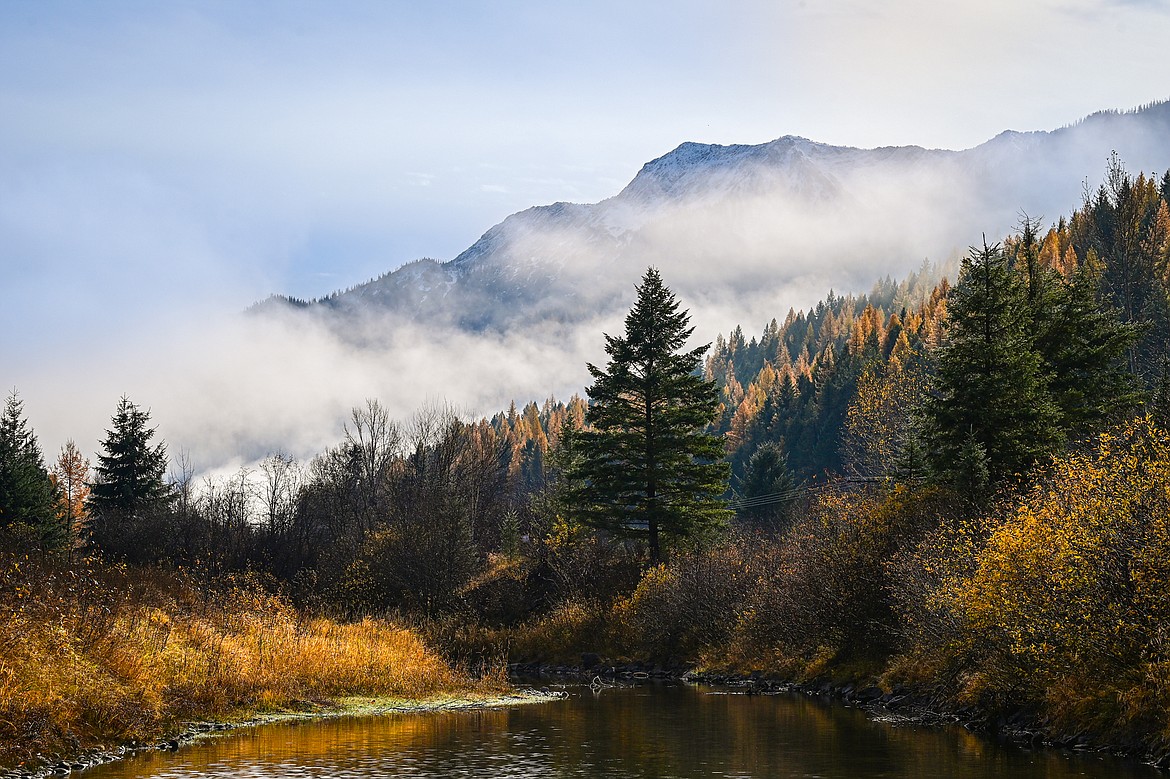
{"x": 827, "y": 590}
{"x": 690, "y": 605}
{"x": 1069, "y": 599}
{"x": 878, "y": 419}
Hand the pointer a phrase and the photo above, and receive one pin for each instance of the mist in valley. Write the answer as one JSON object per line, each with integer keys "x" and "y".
{"x": 518, "y": 316}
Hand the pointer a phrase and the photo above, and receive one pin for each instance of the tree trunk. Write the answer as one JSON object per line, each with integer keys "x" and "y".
{"x": 655, "y": 553}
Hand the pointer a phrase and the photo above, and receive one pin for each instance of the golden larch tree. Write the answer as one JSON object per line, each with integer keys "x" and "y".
{"x": 70, "y": 476}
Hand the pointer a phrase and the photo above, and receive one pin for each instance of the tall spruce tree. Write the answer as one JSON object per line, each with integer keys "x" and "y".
{"x": 26, "y": 491}
{"x": 1082, "y": 342}
{"x": 647, "y": 467}
{"x": 129, "y": 482}
{"x": 989, "y": 397}
{"x": 1084, "y": 346}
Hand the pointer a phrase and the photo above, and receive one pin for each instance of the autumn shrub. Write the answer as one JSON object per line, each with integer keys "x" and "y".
{"x": 502, "y": 594}
{"x": 925, "y": 630}
{"x": 421, "y": 566}
{"x": 827, "y": 594}
{"x": 563, "y": 633}
{"x": 92, "y": 653}
{"x": 497, "y": 604}
{"x": 574, "y": 562}
{"x": 548, "y": 605}
{"x": 690, "y": 606}
{"x": 1068, "y": 604}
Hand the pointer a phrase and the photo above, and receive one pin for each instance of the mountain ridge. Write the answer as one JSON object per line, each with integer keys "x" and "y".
{"x": 743, "y": 209}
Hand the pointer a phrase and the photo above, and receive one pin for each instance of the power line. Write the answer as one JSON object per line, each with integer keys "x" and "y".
{"x": 767, "y": 500}
{"x": 784, "y": 496}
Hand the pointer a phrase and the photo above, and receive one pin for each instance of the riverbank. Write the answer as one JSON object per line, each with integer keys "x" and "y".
{"x": 1044, "y": 611}
{"x": 56, "y": 764}
{"x": 97, "y": 657}
{"x": 882, "y": 699}
{"x": 903, "y": 703}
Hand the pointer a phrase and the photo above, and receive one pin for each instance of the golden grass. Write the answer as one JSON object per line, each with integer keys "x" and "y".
{"x": 97, "y": 655}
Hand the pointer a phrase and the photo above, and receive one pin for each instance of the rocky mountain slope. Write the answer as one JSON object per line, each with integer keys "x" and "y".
{"x": 731, "y": 226}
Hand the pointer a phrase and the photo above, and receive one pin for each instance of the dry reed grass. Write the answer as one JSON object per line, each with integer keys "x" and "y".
{"x": 92, "y": 654}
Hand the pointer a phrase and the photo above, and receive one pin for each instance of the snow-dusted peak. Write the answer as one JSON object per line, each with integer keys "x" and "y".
{"x": 679, "y": 171}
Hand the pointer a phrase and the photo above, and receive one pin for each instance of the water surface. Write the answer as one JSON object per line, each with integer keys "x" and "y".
{"x": 647, "y": 731}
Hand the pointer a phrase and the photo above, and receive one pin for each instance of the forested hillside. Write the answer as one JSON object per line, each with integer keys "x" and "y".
{"x": 837, "y": 387}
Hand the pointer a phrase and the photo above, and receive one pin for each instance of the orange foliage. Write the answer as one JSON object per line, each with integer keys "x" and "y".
{"x": 70, "y": 475}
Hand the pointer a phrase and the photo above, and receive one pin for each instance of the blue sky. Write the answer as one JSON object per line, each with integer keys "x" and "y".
{"x": 299, "y": 146}
{"x": 166, "y": 163}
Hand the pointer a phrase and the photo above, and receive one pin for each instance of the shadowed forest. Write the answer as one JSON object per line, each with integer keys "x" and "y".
{"x": 958, "y": 482}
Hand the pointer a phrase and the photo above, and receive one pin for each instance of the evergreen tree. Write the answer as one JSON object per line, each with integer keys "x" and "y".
{"x": 1081, "y": 341}
{"x": 128, "y": 480}
{"x": 767, "y": 491}
{"x": 26, "y": 491}
{"x": 1083, "y": 347}
{"x": 647, "y": 465}
{"x": 1127, "y": 225}
{"x": 990, "y": 402}
{"x": 878, "y": 423}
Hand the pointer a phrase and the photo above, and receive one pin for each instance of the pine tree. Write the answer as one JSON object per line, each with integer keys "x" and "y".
{"x": 1083, "y": 345}
{"x": 26, "y": 492}
{"x": 878, "y": 422}
{"x": 989, "y": 395}
{"x": 1127, "y": 225}
{"x": 647, "y": 465}
{"x": 128, "y": 479}
{"x": 767, "y": 491}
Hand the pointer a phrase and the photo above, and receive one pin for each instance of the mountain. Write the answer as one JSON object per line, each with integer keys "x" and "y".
{"x": 744, "y": 225}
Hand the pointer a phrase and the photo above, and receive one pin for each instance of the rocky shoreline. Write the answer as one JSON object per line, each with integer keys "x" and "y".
{"x": 901, "y": 704}
{"x": 58, "y": 765}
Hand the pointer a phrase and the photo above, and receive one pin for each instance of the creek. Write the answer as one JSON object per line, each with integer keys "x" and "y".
{"x": 653, "y": 730}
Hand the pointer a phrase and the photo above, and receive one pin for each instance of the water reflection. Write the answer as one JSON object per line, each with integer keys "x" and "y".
{"x": 650, "y": 731}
